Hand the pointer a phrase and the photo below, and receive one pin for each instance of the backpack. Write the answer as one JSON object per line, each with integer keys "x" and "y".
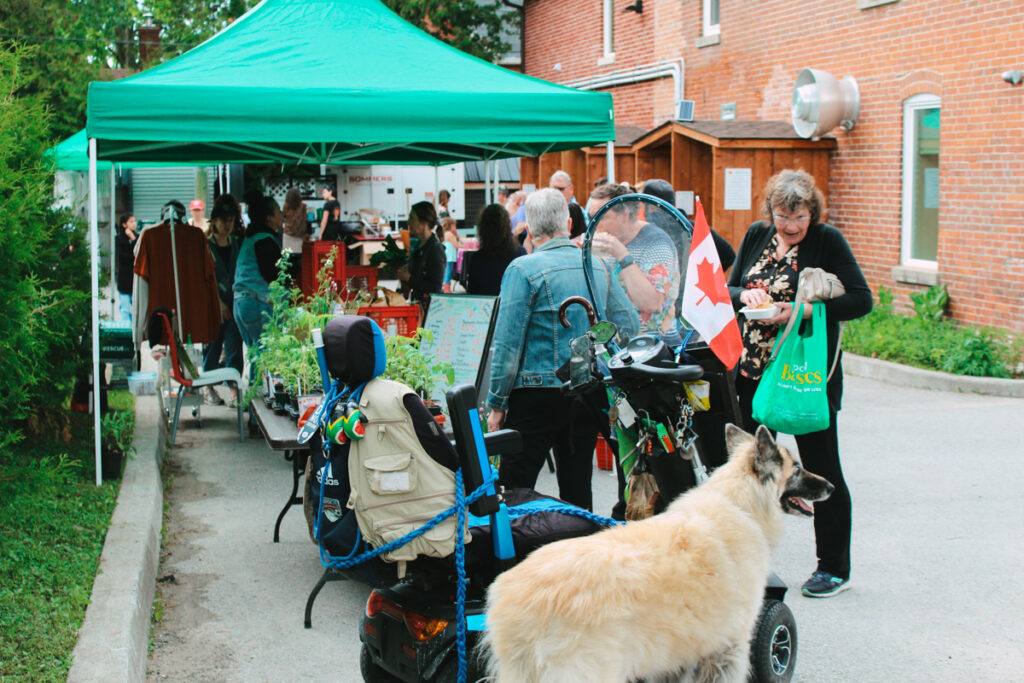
{"x": 396, "y": 486}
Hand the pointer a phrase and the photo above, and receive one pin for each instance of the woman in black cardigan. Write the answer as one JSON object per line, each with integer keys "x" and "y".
{"x": 768, "y": 265}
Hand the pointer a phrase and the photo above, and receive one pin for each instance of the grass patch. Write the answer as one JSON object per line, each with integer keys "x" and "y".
{"x": 930, "y": 340}
{"x": 53, "y": 520}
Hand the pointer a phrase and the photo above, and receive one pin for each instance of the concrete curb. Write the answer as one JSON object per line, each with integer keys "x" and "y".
{"x": 113, "y": 643}
{"x": 906, "y": 376}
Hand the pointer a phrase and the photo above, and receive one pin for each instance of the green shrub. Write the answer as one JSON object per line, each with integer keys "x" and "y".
{"x": 44, "y": 313}
{"x": 930, "y": 340}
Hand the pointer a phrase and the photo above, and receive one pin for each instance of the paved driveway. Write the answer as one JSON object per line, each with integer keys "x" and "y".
{"x": 937, "y": 485}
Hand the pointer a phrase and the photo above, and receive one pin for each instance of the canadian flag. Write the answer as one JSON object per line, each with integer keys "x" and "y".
{"x": 706, "y": 302}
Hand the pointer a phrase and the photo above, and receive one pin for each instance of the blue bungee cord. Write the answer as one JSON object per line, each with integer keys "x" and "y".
{"x": 460, "y": 571}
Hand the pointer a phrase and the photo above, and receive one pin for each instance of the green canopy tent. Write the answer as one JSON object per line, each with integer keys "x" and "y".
{"x": 332, "y": 82}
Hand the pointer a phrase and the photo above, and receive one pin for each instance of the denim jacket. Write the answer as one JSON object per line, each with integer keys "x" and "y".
{"x": 529, "y": 342}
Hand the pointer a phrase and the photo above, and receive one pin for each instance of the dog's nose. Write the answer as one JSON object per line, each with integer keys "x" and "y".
{"x": 829, "y": 488}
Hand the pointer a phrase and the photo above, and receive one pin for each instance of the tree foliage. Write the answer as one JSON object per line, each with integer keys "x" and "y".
{"x": 79, "y": 41}
{"x": 44, "y": 313}
{"x": 56, "y": 70}
{"x": 471, "y": 26}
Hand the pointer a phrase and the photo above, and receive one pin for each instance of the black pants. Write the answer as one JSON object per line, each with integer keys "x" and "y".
{"x": 547, "y": 419}
{"x": 819, "y": 452}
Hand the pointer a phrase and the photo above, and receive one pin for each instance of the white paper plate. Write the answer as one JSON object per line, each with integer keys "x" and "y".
{"x": 760, "y": 313}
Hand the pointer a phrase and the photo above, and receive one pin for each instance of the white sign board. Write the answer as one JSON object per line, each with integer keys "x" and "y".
{"x": 737, "y": 189}
{"x": 684, "y": 202}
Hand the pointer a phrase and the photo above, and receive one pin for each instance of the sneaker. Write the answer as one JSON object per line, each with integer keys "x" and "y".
{"x": 211, "y": 397}
{"x": 824, "y": 585}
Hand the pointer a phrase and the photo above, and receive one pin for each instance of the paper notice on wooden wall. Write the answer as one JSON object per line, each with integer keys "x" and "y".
{"x": 737, "y": 189}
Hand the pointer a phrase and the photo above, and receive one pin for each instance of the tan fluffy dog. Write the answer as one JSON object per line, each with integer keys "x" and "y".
{"x": 664, "y": 599}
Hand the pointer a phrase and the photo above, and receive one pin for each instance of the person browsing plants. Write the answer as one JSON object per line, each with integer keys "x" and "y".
{"x": 224, "y": 246}
{"x": 425, "y": 273}
{"x": 770, "y": 259}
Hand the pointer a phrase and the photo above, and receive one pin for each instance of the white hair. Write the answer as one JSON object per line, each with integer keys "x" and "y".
{"x": 547, "y": 213}
{"x": 561, "y": 175}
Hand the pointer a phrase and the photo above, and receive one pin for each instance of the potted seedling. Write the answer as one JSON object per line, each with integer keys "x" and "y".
{"x": 118, "y": 436}
{"x": 408, "y": 364}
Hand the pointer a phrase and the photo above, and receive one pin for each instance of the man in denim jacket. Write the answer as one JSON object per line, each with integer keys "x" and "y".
{"x": 530, "y": 344}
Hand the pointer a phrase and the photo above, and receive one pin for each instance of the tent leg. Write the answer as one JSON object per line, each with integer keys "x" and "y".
{"x": 94, "y": 262}
{"x": 113, "y": 250}
{"x": 487, "y": 182}
{"x": 611, "y": 161}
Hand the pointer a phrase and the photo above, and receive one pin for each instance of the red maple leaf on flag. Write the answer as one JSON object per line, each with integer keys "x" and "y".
{"x": 707, "y": 284}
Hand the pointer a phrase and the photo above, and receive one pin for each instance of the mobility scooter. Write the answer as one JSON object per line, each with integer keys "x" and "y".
{"x": 674, "y": 431}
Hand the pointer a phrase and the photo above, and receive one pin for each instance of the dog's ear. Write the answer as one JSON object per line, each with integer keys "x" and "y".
{"x": 767, "y": 459}
{"x": 735, "y": 438}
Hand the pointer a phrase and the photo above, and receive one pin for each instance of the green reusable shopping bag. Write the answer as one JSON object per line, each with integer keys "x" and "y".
{"x": 791, "y": 397}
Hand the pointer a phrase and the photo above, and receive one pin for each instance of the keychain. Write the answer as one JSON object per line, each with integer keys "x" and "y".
{"x": 346, "y": 423}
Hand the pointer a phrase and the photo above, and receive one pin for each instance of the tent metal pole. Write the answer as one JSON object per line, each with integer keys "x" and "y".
{"x": 113, "y": 251}
{"x": 436, "y": 188}
{"x": 487, "y": 182}
{"x": 94, "y": 262}
{"x": 611, "y": 161}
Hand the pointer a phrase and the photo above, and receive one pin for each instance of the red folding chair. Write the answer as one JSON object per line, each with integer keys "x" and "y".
{"x": 207, "y": 378}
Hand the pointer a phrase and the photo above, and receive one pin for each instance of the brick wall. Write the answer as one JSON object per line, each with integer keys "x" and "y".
{"x": 955, "y": 50}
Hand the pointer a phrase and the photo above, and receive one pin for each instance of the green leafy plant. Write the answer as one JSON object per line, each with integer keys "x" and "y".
{"x": 117, "y": 431}
{"x": 928, "y": 339}
{"x": 408, "y": 364}
{"x": 391, "y": 257}
{"x": 931, "y": 304}
{"x": 285, "y": 348}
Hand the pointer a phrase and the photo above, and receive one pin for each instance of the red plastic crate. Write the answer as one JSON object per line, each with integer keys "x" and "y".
{"x": 313, "y": 256}
{"x": 401, "y": 320}
{"x": 604, "y": 455}
{"x": 359, "y": 277}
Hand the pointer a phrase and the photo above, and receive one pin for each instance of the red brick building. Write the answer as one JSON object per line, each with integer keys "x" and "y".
{"x": 928, "y": 186}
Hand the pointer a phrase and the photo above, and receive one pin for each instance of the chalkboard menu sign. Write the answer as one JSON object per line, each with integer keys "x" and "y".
{"x": 462, "y": 326}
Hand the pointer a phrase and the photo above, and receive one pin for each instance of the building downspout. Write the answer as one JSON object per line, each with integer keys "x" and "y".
{"x": 674, "y": 69}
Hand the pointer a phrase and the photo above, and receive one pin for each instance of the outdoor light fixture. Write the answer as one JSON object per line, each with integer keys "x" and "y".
{"x": 1015, "y": 77}
{"x": 637, "y": 6}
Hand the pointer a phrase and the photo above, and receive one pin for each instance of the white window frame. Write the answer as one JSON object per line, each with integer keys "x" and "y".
{"x": 910, "y": 106}
{"x": 709, "y": 28}
{"x": 607, "y": 34}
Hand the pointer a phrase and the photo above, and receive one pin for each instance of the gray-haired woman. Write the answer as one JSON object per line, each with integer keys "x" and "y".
{"x": 768, "y": 265}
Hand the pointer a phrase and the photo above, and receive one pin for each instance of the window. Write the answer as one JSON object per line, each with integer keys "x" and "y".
{"x": 710, "y": 17}
{"x": 607, "y": 33}
{"x": 920, "y": 245}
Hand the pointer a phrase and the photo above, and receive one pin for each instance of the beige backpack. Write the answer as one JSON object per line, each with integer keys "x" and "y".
{"x": 396, "y": 485}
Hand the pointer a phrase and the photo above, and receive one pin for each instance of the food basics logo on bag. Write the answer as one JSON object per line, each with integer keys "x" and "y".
{"x": 798, "y": 374}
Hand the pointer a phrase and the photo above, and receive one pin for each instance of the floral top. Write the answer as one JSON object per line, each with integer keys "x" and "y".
{"x": 656, "y": 256}
{"x": 779, "y": 278}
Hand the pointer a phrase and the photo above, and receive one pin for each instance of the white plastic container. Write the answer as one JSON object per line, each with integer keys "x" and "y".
{"x": 142, "y": 383}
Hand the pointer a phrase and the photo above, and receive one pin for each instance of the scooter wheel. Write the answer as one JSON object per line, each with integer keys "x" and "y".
{"x": 773, "y": 645}
{"x": 371, "y": 672}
